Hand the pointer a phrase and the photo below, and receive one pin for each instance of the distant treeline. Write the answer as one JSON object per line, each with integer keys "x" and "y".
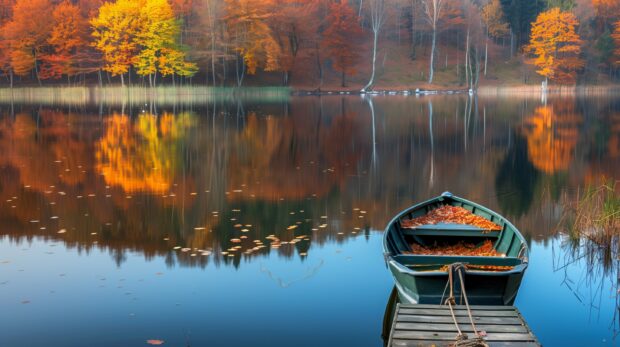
{"x": 219, "y": 42}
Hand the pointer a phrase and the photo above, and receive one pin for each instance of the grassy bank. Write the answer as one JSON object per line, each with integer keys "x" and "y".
{"x": 164, "y": 95}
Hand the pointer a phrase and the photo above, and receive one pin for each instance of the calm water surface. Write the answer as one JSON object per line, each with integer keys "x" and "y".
{"x": 249, "y": 224}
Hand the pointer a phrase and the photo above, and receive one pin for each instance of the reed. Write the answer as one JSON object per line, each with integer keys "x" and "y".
{"x": 135, "y": 95}
{"x": 591, "y": 221}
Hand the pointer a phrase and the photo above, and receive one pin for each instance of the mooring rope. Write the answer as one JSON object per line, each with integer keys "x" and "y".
{"x": 462, "y": 340}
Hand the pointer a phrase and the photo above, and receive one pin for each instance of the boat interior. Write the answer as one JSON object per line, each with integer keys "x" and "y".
{"x": 399, "y": 240}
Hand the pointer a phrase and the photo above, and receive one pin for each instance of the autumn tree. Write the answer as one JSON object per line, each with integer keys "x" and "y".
{"x": 157, "y": 39}
{"x": 616, "y": 37}
{"x": 495, "y": 23}
{"x": 115, "y": 29}
{"x": 6, "y": 12}
{"x": 607, "y": 12}
{"x": 251, "y": 36}
{"x": 556, "y": 46}
{"x": 342, "y": 27}
{"x": 27, "y": 35}
{"x": 67, "y": 39}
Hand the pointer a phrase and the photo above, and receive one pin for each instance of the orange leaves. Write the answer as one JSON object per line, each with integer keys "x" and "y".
{"x": 556, "y": 45}
{"x": 450, "y": 214}
{"x": 27, "y": 33}
{"x": 616, "y": 36}
{"x": 251, "y": 35}
{"x": 460, "y": 249}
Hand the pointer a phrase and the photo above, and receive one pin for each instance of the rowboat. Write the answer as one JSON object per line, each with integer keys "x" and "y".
{"x": 422, "y": 278}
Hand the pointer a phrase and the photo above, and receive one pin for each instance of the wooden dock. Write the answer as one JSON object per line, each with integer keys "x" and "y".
{"x": 432, "y": 325}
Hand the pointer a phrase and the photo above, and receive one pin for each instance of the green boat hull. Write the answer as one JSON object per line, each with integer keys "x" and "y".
{"x": 419, "y": 278}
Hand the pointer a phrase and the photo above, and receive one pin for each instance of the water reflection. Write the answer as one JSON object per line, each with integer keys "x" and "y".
{"x": 233, "y": 181}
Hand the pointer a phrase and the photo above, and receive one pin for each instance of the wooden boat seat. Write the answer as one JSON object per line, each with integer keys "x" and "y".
{"x": 450, "y": 229}
{"x": 413, "y": 259}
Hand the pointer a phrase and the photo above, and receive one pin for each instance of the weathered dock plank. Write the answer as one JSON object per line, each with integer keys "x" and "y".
{"x": 433, "y": 325}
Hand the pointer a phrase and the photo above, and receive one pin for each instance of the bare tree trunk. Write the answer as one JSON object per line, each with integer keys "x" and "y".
{"x": 11, "y": 78}
{"x": 377, "y": 17}
{"x": 486, "y": 55}
{"x": 122, "y": 80}
{"x": 430, "y": 73}
{"x": 467, "y": 74}
{"x": 318, "y": 64}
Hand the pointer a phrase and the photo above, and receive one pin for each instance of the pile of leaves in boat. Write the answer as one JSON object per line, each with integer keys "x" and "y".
{"x": 450, "y": 214}
{"x": 464, "y": 249}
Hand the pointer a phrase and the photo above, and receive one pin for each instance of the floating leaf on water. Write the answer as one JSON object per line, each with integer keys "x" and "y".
{"x": 155, "y": 342}
{"x": 185, "y": 249}
{"x": 237, "y": 191}
{"x": 206, "y": 253}
{"x": 340, "y": 233}
{"x": 291, "y": 227}
{"x": 303, "y": 254}
{"x": 235, "y": 240}
{"x": 363, "y": 212}
{"x": 236, "y": 210}
{"x": 245, "y": 230}
{"x": 324, "y": 217}
{"x": 165, "y": 238}
{"x": 307, "y": 239}
{"x": 315, "y": 229}
{"x": 54, "y": 217}
{"x": 231, "y": 255}
{"x": 62, "y": 231}
{"x": 323, "y": 226}
{"x": 199, "y": 228}
{"x": 193, "y": 193}
{"x": 224, "y": 253}
{"x": 34, "y": 221}
{"x": 192, "y": 255}
{"x": 25, "y": 302}
{"x": 243, "y": 237}
{"x": 238, "y": 226}
{"x": 177, "y": 247}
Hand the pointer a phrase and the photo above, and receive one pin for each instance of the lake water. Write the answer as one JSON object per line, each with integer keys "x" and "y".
{"x": 259, "y": 224}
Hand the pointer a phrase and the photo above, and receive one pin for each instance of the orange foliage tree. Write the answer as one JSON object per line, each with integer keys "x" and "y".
{"x": 616, "y": 37}
{"x": 252, "y": 38}
{"x": 27, "y": 33}
{"x": 67, "y": 40}
{"x": 6, "y": 7}
{"x": 556, "y": 45}
{"x": 342, "y": 27}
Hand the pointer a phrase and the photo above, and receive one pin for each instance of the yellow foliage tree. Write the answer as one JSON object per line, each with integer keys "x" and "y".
{"x": 556, "y": 45}
{"x": 115, "y": 29}
{"x": 157, "y": 38}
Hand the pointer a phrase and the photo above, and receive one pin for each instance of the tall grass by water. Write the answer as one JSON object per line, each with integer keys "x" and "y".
{"x": 135, "y": 95}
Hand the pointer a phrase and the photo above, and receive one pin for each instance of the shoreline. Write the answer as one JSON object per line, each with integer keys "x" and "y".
{"x": 172, "y": 95}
